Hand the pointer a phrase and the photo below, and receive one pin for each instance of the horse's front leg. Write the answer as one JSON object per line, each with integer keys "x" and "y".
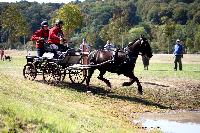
{"x": 132, "y": 80}
{"x": 90, "y": 72}
{"x": 102, "y": 72}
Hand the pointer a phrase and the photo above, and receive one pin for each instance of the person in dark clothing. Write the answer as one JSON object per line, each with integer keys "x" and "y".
{"x": 2, "y": 53}
{"x": 145, "y": 61}
{"x": 178, "y": 53}
{"x": 41, "y": 36}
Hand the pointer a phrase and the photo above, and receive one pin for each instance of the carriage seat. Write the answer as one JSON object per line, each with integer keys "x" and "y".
{"x": 30, "y": 58}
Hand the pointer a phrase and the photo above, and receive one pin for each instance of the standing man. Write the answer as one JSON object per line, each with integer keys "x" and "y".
{"x": 88, "y": 46}
{"x": 41, "y": 36}
{"x": 56, "y": 37}
{"x": 2, "y": 53}
{"x": 178, "y": 53}
{"x": 145, "y": 61}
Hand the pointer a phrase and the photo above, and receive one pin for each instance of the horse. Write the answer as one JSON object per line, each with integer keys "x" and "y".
{"x": 120, "y": 62}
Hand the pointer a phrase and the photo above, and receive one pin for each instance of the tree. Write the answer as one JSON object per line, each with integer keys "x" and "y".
{"x": 72, "y": 17}
{"x": 180, "y": 14}
{"x": 153, "y": 15}
{"x": 197, "y": 39}
{"x": 196, "y": 18}
{"x": 169, "y": 31}
{"x": 14, "y": 23}
{"x": 134, "y": 33}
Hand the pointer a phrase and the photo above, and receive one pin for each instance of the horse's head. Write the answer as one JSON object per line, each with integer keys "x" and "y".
{"x": 141, "y": 45}
{"x": 145, "y": 47}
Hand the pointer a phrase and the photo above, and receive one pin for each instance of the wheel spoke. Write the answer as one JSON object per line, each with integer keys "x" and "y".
{"x": 77, "y": 76}
{"x": 51, "y": 74}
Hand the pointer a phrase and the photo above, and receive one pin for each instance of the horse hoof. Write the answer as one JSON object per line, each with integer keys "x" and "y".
{"x": 109, "y": 85}
{"x": 126, "y": 84}
{"x": 88, "y": 92}
{"x": 140, "y": 90}
{"x": 88, "y": 88}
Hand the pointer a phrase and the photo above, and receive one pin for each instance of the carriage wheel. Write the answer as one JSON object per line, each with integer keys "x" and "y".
{"x": 29, "y": 72}
{"x": 77, "y": 75}
{"x": 51, "y": 74}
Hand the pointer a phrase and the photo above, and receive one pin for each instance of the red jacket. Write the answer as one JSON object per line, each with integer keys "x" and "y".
{"x": 54, "y": 35}
{"x": 41, "y": 33}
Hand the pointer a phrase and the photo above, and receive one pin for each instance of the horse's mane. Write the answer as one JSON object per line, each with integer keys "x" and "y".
{"x": 133, "y": 42}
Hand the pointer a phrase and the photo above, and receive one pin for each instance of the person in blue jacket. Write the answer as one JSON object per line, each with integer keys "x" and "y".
{"x": 178, "y": 55}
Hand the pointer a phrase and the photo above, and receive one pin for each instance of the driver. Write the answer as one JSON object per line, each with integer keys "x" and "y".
{"x": 41, "y": 36}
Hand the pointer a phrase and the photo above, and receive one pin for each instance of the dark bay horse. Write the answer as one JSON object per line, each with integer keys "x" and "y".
{"x": 123, "y": 62}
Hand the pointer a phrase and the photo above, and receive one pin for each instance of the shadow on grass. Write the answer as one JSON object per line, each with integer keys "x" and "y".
{"x": 108, "y": 93}
{"x": 155, "y": 84}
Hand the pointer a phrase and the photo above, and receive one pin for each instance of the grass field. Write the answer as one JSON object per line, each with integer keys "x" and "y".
{"x": 32, "y": 106}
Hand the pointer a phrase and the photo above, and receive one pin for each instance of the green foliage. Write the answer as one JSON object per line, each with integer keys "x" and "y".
{"x": 153, "y": 15}
{"x": 72, "y": 17}
{"x": 164, "y": 21}
{"x": 196, "y": 18}
{"x": 134, "y": 33}
{"x": 197, "y": 39}
{"x": 14, "y": 23}
{"x": 180, "y": 14}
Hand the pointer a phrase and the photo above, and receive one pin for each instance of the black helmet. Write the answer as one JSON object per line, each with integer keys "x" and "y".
{"x": 44, "y": 23}
{"x": 58, "y": 22}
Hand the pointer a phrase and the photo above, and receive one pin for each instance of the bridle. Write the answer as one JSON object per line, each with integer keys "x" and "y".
{"x": 127, "y": 48}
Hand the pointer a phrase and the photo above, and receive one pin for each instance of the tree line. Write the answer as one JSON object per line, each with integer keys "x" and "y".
{"x": 120, "y": 21}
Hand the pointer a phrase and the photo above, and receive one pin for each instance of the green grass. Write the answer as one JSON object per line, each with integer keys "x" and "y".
{"x": 165, "y": 70}
{"x": 50, "y": 109}
{"x": 31, "y": 106}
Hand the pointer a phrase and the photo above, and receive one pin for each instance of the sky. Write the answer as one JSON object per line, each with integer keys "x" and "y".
{"x": 41, "y": 1}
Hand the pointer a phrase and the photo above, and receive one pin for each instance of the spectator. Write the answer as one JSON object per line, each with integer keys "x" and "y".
{"x": 145, "y": 61}
{"x": 2, "y": 53}
{"x": 41, "y": 36}
{"x": 109, "y": 46}
{"x": 88, "y": 47}
{"x": 178, "y": 53}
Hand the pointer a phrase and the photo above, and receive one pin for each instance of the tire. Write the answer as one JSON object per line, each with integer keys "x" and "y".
{"x": 51, "y": 74}
{"x": 29, "y": 71}
{"x": 77, "y": 76}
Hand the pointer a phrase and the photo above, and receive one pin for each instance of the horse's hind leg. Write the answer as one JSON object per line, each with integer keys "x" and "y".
{"x": 132, "y": 80}
{"x": 102, "y": 72}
